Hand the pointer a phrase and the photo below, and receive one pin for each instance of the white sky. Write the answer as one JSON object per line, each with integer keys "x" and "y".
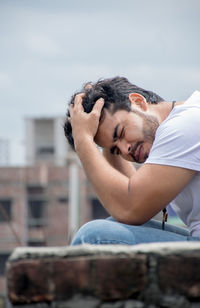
{"x": 49, "y": 48}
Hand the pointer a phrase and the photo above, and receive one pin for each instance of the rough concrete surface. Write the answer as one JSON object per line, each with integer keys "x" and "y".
{"x": 106, "y": 276}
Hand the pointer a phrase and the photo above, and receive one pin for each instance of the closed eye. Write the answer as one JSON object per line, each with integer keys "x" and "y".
{"x": 114, "y": 150}
{"x": 122, "y": 133}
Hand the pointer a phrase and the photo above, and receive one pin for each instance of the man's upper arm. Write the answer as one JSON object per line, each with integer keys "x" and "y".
{"x": 153, "y": 187}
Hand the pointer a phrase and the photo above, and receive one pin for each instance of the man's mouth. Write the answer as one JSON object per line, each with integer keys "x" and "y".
{"x": 137, "y": 152}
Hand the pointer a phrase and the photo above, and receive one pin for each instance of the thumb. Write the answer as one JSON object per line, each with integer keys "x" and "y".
{"x": 98, "y": 105}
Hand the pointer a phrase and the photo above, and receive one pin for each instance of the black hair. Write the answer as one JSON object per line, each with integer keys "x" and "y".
{"x": 115, "y": 92}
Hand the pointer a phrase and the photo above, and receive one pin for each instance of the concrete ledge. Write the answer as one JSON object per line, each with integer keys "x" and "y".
{"x": 161, "y": 274}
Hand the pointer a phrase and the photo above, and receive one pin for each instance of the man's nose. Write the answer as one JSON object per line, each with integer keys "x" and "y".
{"x": 124, "y": 147}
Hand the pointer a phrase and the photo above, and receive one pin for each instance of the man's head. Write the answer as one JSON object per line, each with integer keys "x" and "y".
{"x": 118, "y": 94}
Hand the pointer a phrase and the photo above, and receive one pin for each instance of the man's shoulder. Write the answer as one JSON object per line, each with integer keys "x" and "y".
{"x": 194, "y": 98}
{"x": 184, "y": 118}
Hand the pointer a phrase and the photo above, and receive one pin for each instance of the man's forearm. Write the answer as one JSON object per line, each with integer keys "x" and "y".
{"x": 125, "y": 167}
{"x": 110, "y": 185}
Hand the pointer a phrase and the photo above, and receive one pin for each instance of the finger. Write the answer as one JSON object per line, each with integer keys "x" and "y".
{"x": 98, "y": 105}
{"x": 71, "y": 107}
{"x": 88, "y": 86}
{"x": 79, "y": 98}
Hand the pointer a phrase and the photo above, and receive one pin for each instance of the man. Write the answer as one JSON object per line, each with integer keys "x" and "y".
{"x": 132, "y": 124}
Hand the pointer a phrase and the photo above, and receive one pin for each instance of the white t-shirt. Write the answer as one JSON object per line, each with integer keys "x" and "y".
{"x": 177, "y": 143}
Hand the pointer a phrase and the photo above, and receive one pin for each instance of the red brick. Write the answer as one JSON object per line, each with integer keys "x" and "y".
{"x": 72, "y": 276}
{"x": 180, "y": 274}
{"x": 120, "y": 277}
{"x": 28, "y": 281}
{"x": 59, "y": 279}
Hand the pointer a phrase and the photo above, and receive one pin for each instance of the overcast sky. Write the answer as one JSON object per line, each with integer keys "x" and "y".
{"x": 49, "y": 48}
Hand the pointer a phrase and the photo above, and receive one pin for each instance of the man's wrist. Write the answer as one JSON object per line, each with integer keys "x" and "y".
{"x": 82, "y": 143}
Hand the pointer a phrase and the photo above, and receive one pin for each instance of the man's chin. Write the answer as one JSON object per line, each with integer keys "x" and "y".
{"x": 131, "y": 159}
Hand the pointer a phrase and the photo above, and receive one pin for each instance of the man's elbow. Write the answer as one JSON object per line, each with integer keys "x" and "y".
{"x": 132, "y": 218}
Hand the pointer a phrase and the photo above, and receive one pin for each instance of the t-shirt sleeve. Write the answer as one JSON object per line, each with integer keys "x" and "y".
{"x": 177, "y": 141}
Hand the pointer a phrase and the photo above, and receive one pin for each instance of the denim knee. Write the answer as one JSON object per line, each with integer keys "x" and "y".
{"x": 88, "y": 233}
{"x": 102, "y": 231}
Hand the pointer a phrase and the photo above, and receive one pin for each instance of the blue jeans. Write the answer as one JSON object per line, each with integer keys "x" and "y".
{"x": 109, "y": 231}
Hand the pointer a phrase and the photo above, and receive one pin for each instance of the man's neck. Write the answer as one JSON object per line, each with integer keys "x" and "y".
{"x": 163, "y": 109}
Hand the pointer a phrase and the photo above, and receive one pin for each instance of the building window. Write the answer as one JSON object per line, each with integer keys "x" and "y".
{"x": 3, "y": 259}
{"x": 36, "y": 243}
{"x": 36, "y": 213}
{"x": 98, "y": 211}
{"x": 5, "y": 210}
{"x": 35, "y": 190}
{"x": 45, "y": 150}
{"x": 63, "y": 200}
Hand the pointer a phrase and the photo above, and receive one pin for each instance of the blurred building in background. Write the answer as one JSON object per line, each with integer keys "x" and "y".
{"x": 45, "y": 141}
{"x": 4, "y": 152}
{"x": 46, "y": 201}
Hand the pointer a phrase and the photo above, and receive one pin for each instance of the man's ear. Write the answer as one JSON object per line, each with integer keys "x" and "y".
{"x": 138, "y": 100}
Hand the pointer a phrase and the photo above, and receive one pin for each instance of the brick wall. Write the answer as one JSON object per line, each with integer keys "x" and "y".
{"x": 111, "y": 276}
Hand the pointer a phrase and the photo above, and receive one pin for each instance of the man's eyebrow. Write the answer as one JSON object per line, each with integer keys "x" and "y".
{"x": 115, "y": 132}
